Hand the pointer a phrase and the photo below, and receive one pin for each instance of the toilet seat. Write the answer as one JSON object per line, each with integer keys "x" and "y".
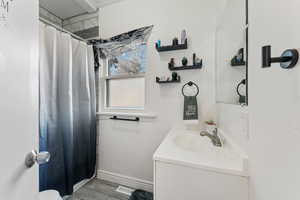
{"x": 49, "y": 195}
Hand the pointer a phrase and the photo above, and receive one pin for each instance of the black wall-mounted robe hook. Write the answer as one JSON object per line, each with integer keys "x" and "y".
{"x": 288, "y": 59}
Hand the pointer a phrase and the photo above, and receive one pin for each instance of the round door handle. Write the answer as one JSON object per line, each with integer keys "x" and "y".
{"x": 35, "y": 157}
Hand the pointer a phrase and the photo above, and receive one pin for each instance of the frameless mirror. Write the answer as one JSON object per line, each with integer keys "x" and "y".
{"x": 231, "y": 53}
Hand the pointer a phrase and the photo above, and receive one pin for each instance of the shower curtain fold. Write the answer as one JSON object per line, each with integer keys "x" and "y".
{"x": 67, "y": 110}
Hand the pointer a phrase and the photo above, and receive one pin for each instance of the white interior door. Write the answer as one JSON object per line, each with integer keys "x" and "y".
{"x": 19, "y": 97}
{"x": 274, "y": 100}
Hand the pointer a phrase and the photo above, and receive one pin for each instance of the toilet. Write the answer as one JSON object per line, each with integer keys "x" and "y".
{"x": 49, "y": 195}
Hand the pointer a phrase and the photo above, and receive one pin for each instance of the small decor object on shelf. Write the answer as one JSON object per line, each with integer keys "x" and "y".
{"x": 183, "y": 36}
{"x": 238, "y": 60}
{"x": 163, "y": 78}
{"x": 158, "y": 43}
{"x": 184, "y": 61}
{"x": 210, "y": 122}
{"x": 210, "y": 126}
{"x": 172, "y": 62}
{"x": 175, "y": 41}
{"x": 174, "y": 76}
{"x": 194, "y": 59}
{"x": 198, "y": 61}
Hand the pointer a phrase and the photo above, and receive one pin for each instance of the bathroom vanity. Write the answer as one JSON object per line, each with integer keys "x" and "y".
{"x": 188, "y": 166}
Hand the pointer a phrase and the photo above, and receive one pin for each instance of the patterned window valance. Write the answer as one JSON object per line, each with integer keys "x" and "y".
{"x": 126, "y": 53}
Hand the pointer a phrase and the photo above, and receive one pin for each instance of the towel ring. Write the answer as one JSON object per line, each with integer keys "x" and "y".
{"x": 243, "y": 82}
{"x": 242, "y": 98}
{"x": 190, "y": 84}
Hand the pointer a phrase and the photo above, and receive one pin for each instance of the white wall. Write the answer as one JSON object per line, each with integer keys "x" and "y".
{"x": 126, "y": 148}
{"x": 273, "y": 137}
{"x": 274, "y": 102}
{"x": 233, "y": 120}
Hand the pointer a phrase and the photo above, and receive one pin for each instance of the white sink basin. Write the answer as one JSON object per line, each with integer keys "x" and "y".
{"x": 194, "y": 143}
{"x": 194, "y": 168}
{"x": 191, "y": 149}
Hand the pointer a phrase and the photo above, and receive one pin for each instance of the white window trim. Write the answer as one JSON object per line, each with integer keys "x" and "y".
{"x": 104, "y": 108}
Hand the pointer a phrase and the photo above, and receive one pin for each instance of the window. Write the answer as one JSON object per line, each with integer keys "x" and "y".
{"x": 124, "y": 74}
{"x": 125, "y": 83}
{"x": 130, "y": 62}
{"x": 126, "y": 93}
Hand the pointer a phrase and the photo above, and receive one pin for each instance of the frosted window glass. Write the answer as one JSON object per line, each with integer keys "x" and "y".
{"x": 126, "y": 93}
{"x": 129, "y": 62}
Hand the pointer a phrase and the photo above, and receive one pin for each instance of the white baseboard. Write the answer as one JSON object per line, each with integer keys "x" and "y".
{"x": 82, "y": 183}
{"x": 125, "y": 180}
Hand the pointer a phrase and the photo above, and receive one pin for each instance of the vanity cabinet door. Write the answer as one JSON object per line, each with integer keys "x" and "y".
{"x": 178, "y": 182}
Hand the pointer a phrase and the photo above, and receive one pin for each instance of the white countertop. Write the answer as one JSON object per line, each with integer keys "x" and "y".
{"x": 188, "y": 148}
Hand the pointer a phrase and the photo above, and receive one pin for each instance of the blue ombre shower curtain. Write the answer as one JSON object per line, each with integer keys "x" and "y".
{"x": 67, "y": 110}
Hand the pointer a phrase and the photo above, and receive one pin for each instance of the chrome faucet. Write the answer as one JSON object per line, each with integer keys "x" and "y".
{"x": 215, "y": 138}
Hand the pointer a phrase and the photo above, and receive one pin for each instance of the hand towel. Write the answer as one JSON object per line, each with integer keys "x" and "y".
{"x": 190, "y": 114}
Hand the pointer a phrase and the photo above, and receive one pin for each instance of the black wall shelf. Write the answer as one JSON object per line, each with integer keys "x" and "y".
{"x": 238, "y": 64}
{"x": 172, "y": 47}
{"x": 169, "y": 81}
{"x": 188, "y": 67}
{"x": 238, "y": 60}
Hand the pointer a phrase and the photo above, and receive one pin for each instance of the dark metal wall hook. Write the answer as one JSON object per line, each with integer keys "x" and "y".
{"x": 288, "y": 59}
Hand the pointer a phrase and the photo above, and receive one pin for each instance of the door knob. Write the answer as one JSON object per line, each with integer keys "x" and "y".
{"x": 35, "y": 157}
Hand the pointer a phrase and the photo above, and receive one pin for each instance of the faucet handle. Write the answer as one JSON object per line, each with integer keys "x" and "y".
{"x": 204, "y": 133}
{"x": 215, "y": 131}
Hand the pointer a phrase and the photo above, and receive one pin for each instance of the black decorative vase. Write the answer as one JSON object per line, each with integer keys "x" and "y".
{"x": 174, "y": 76}
{"x": 175, "y": 42}
{"x": 184, "y": 61}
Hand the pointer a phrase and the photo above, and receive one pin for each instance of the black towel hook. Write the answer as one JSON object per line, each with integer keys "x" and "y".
{"x": 190, "y": 84}
{"x": 289, "y": 58}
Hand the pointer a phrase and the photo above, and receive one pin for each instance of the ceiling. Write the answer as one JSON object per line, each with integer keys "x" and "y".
{"x": 69, "y": 8}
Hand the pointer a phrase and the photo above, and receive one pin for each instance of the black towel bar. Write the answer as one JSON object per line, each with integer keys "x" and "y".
{"x": 137, "y": 119}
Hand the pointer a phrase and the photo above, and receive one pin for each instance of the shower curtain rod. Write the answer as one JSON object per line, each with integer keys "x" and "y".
{"x": 62, "y": 29}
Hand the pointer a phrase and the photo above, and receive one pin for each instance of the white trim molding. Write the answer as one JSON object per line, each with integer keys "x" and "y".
{"x": 81, "y": 184}
{"x": 103, "y": 3}
{"x": 125, "y": 180}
